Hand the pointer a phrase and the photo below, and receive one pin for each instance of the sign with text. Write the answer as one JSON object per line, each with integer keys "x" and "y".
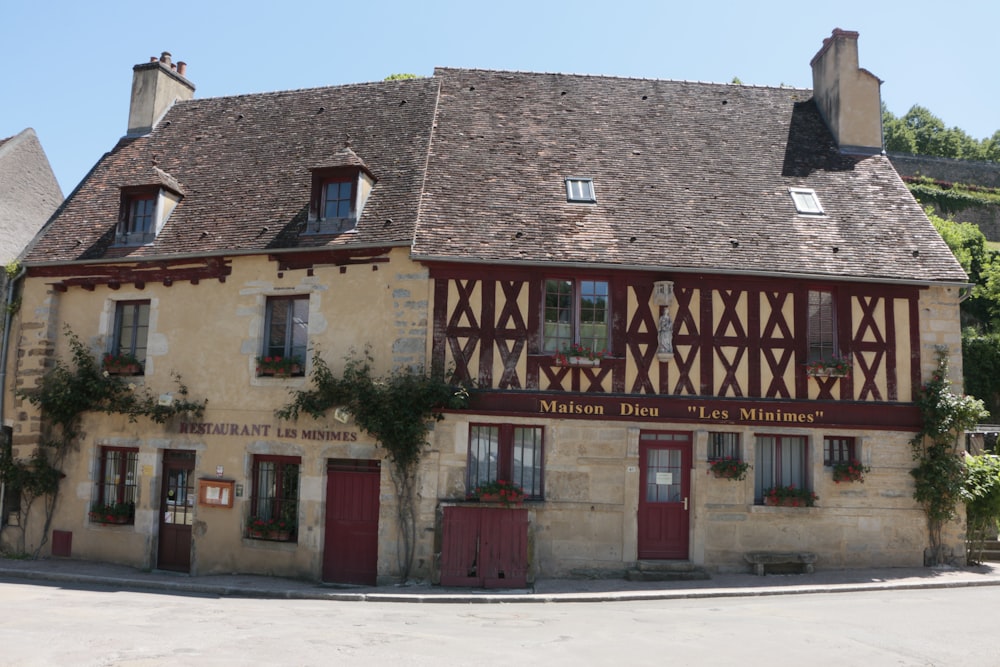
{"x": 688, "y": 409}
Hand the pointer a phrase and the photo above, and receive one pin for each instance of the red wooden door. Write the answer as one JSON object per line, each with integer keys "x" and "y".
{"x": 664, "y": 493}
{"x": 484, "y": 546}
{"x": 176, "y": 511}
{"x": 460, "y": 547}
{"x": 350, "y": 547}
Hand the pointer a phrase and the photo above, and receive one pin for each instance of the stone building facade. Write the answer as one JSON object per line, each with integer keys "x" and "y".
{"x": 634, "y": 278}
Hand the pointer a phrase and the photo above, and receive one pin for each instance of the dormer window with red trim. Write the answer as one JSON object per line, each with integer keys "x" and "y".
{"x": 338, "y": 198}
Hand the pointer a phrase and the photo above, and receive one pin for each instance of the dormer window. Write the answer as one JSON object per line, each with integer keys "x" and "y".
{"x": 338, "y": 200}
{"x": 145, "y": 209}
{"x": 806, "y": 201}
{"x": 339, "y": 195}
{"x": 140, "y": 213}
{"x": 580, "y": 190}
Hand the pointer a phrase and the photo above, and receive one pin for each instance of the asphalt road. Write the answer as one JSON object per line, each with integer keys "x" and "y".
{"x": 46, "y": 624}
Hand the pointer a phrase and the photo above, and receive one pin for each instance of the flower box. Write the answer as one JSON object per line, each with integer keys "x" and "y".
{"x": 497, "y": 498}
{"x": 837, "y": 367}
{"x": 498, "y": 491}
{"x": 789, "y": 496}
{"x": 272, "y": 535}
{"x": 279, "y": 366}
{"x": 785, "y": 502}
{"x": 582, "y": 361}
{"x": 849, "y": 471}
{"x": 109, "y": 518}
{"x": 280, "y": 372}
{"x": 827, "y": 373}
{"x": 729, "y": 468}
{"x": 128, "y": 369}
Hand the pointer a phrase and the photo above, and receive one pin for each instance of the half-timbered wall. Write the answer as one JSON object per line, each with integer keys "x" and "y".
{"x": 732, "y": 337}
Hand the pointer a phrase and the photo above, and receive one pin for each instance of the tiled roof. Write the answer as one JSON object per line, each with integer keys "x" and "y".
{"x": 688, "y": 177}
{"x": 29, "y": 193}
{"x": 243, "y": 165}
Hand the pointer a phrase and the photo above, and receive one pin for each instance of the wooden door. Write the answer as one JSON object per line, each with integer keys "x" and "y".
{"x": 664, "y": 493}
{"x": 177, "y": 497}
{"x": 350, "y": 546}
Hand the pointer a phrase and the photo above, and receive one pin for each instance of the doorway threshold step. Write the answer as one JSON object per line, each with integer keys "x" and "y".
{"x": 666, "y": 570}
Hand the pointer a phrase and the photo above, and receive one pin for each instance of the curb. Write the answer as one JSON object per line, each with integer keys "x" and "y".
{"x": 475, "y": 596}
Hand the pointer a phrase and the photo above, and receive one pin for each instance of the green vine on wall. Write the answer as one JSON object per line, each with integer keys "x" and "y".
{"x": 940, "y": 471}
{"x": 396, "y": 410}
{"x": 65, "y": 393}
{"x": 951, "y": 197}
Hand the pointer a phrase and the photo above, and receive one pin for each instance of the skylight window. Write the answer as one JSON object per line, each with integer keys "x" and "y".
{"x": 580, "y": 190}
{"x": 806, "y": 201}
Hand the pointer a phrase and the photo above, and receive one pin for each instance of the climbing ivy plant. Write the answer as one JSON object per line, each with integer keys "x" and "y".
{"x": 396, "y": 410}
{"x": 940, "y": 470}
{"x": 65, "y": 393}
{"x": 981, "y": 493}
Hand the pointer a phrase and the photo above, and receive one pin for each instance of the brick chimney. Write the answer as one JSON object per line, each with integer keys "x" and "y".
{"x": 156, "y": 85}
{"x": 848, "y": 96}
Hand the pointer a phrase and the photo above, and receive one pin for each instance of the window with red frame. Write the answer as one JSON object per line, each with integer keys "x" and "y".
{"x": 275, "y": 493}
{"x": 506, "y": 452}
{"x": 838, "y": 450}
{"x": 118, "y": 479}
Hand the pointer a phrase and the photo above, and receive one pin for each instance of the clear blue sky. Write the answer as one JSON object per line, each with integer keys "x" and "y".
{"x": 66, "y": 66}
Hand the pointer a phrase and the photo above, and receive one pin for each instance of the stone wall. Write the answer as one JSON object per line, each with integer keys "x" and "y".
{"x": 986, "y": 174}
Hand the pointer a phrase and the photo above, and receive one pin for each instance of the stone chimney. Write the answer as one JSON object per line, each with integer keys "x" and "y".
{"x": 848, "y": 96}
{"x": 156, "y": 85}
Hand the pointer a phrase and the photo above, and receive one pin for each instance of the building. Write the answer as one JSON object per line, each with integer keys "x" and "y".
{"x": 709, "y": 251}
{"x": 29, "y": 194}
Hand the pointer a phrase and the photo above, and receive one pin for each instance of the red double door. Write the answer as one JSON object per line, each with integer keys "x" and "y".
{"x": 664, "y": 495}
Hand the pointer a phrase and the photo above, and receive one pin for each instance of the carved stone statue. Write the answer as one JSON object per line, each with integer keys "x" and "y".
{"x": 665, "y": 349}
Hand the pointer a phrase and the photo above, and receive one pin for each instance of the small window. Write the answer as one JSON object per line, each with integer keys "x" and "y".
{"x": 127, "y": 355}
{"x": 338, "y": 199}
{"x": 576, "y": 311}
{"x": 137, "y": 221}
{"x": 806, "y": 201}
{"x": 274, "y": 500}
{"x": 838, "y": 450}
{"x": 286, "y": 335}
{"x": 506, "y": 452}
{"x": 780, "y": 461}
{"x": 580, "y": 190}
{"x": 117, "y": 484}
{"x": 723, "y": 446}
{"x": 821, "y": 325}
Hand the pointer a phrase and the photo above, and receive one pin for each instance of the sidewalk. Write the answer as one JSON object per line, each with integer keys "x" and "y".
{"x": 87, "y": 573}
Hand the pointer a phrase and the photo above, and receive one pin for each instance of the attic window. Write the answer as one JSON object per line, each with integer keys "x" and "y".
{"x": 143, "y": 212}
{"x": 806, "y": 201}
{"x": 580, "y": 190}
{"x": 338, "y": 198}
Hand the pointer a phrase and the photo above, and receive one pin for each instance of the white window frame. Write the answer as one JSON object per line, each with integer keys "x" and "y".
{"x": 806, "y": 201}
{"x": 580, "y": 190}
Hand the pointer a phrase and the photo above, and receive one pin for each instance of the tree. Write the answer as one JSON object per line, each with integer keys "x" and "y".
{"x": 396, "y": 411}
{"x": 981, "y": 493}
{"x": 920, "y": 132}
{"x": 940, "y": 472}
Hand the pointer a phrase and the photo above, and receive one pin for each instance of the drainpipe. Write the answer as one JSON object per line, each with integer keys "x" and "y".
{"x": 7, "y": 317}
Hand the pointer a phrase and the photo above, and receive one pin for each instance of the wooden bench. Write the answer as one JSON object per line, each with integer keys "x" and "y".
{"x": 761, "y": 558}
